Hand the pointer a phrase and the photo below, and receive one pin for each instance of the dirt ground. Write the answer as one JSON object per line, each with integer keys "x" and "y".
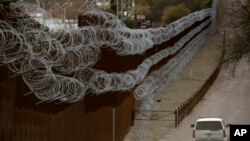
{"x": 188, "y": 81}
{"x": 228, "y": 98}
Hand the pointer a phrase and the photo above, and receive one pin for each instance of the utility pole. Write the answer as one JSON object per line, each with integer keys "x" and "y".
{"x": 122, "y": 10}
{"x": 41, "y": 4}
{"x": 64, "y": 16}
{"x": 117, "y": 8}
{"x": 103, "y": 4}
{"x": 133, "y": 9}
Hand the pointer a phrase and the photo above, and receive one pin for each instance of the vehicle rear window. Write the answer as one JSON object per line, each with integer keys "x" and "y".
{"x": 209, "y": 125}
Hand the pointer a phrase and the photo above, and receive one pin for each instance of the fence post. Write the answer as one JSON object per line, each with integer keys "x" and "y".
{"x": 176, "y": 117}
{"x": 132, "y": 117}
{"x": 186, "y": 108}
{"x": 113, "y": 124}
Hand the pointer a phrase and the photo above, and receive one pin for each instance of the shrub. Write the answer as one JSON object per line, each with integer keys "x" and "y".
{"x": 130, "y": 23}
{"x": 197, "y": 5}
{"x": 173, "y": 13}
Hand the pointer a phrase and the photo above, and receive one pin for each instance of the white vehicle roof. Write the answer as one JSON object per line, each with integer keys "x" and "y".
{"x": 209, "y": 119}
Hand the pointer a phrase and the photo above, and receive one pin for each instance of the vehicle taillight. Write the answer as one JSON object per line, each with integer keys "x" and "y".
{"x": 224, "y": 133}
{"x": 193, "y": 134}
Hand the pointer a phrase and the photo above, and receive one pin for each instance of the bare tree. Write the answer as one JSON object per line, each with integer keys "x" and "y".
{"x": 240, "y": 45}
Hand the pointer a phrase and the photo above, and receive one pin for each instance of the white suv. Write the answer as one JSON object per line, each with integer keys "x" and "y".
{"x": 210, "y": 129}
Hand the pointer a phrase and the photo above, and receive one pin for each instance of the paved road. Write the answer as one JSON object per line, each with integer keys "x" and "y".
{"x": 228, "y": 98}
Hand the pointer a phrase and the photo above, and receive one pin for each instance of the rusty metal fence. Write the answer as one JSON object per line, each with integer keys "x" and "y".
{"x": 187, "y": 106}
{"x": 183, "y": 110}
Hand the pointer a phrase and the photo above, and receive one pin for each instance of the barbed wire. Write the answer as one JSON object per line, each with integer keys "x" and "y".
{"x": 137, "y": 41}
{"x": 146, "y": 90}
{"x": 56, "y": 65}
{"x": 128, "y": 80}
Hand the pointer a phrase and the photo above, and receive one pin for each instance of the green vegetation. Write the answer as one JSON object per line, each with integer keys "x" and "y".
{"x": 130, "y": 23}
{"x": 143, "y": 9}
{"x": 173, "y": 13}
{"x": 153, "y": 9}
{"x": 196, "y": 5}
{"x": 113, "y": 6}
